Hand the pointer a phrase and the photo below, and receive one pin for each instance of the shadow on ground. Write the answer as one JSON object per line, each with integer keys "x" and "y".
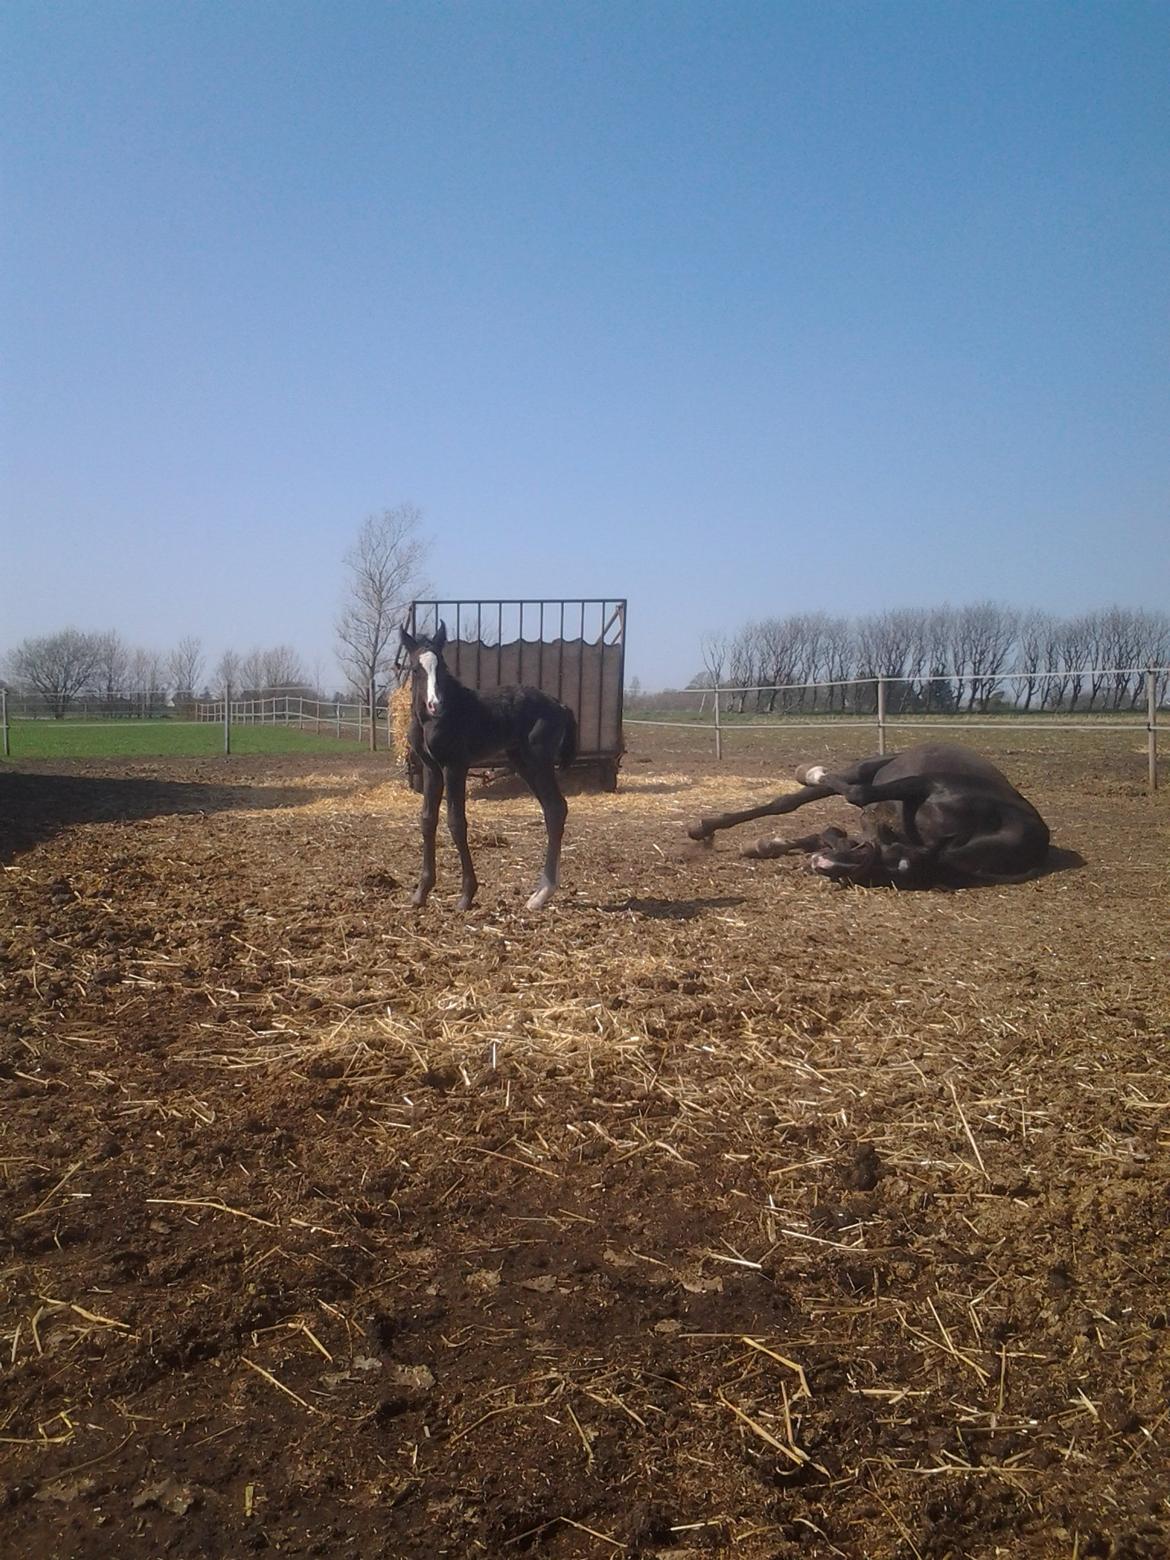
{"x": 672, "y": 909}
{"x": 37, "y": 805}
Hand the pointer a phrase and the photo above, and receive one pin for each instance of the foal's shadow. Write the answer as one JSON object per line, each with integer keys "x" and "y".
{"x": 671, "y": 909}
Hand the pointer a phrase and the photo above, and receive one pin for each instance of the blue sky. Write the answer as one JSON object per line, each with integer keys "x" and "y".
{"x": 731, "y": 308}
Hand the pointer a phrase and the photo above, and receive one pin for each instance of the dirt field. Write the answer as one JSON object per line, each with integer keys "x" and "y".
{"x": 716, "y": 1211}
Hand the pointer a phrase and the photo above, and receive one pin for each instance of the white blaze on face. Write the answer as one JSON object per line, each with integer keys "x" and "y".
{"x": 429, "y": 662}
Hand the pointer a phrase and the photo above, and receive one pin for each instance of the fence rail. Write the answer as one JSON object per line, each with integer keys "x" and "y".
{"x": 723, "y": 696}
{"x": 327, "y": 717}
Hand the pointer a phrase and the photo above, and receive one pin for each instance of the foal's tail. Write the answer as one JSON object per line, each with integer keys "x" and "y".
{"x": 568, "y": 748}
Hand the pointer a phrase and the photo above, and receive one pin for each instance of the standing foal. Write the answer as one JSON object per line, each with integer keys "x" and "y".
{"x": 453, "y": 727}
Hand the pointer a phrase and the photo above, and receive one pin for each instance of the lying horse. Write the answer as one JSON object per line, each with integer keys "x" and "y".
{"x": 453, "y": 727}
{"x": 954, "y": 818}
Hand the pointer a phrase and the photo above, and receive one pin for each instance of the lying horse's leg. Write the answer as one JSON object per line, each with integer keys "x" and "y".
{"x": 765, "y": 847}
{"x": 457, "y": 825}
{"x": 861, "y": 784}
{"x": 706, "y": 827}
{"x": 432, "y": 781}
{"x": 860, "y": 773}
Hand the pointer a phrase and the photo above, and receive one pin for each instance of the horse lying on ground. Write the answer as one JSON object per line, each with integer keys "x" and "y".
{"x": 453, "y": 727}
{"x": 954, "y": 818}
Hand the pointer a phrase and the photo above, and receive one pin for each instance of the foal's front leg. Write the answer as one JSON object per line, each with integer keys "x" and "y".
{"x": 457, "y": 824}
{"x": 428, "y": 823}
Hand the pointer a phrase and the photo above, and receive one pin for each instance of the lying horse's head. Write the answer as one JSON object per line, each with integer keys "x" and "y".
{"x": 870, "y": 863}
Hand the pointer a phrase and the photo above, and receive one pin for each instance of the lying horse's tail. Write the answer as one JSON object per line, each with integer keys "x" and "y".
{"x": 568, "y": 747}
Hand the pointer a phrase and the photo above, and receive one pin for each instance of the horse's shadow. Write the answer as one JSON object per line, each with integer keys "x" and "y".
{"x": 671, "y": 909}
{"x": 1059, "y": 860}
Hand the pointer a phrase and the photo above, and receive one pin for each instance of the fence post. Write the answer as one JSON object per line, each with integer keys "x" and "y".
{"x": 227, "y": 717}
{"x": 718, "y": 728}
{"x": 1152, "y": 727}
{"x": 373, "y": 716}
{"x": 881, "y": 714}
{"x": 4, "y": 719}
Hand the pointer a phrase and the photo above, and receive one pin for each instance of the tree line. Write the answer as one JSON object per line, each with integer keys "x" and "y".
{"x": 53, "y": 672}
{"x": 967, "y": 658}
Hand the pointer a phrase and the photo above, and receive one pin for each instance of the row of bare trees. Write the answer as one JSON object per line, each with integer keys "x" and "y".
{"x": 54, "y": 672}
{"x": 382, "y": 575}
{"x": 943, "y": 658}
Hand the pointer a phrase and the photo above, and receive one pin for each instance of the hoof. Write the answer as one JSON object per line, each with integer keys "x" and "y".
{"x": 465, "y": 902}
{"x": 763, "y": 850}
{"x": 698, "y": 832}
{"x": 419, "y": 898}
{"x": 810, "y": 774}
{"x": 541, "y": 897}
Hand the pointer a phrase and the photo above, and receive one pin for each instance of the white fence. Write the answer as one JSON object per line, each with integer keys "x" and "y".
{"x": 874, "y": 693}
{"x": 327, "y": 717}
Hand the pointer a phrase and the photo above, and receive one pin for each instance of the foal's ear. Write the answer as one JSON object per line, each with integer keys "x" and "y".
{"x": 440, "y": 638}
{"x": 409, "y": 642}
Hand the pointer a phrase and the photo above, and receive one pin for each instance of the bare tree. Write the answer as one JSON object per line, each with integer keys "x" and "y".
{"x": 892, "y": 644}
{"x": 1032, "y": 656}
{"x": 838, "y": 659}
{"x": 777, "y": 640}
{"x": 57, "y": 666}
{"x": 111, "y": 668}
{"x": 147, "y": 679}
{"x": 283, "y": 669}
{"x": 743, "y": 659}
{"x": 982, "y": 636}
{"x": 808, "y": 653}
{"x": 1075, "y": 650}
{"x": 226, "y": 676}
{"x": 384, "y": 573}
{"x": 185, "y": 666}
{"x": 715, "y": 649}
{"x": 252, "y": 672}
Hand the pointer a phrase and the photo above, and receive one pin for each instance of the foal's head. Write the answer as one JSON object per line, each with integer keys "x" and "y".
{"x": 428, "y": 670}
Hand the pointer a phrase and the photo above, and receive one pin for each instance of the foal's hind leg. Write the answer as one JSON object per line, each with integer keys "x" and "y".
{"x": 539, "y": 772}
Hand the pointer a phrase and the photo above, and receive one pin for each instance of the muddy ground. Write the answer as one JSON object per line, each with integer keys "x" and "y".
{"x": 715, "y": 1211}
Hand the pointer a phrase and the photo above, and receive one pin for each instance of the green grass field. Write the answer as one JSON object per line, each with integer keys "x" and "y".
{"x": 157, "y": 739}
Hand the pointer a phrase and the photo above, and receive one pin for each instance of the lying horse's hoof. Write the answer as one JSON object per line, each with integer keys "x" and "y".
{"x": 764, "y": 849}
{"x": 702, "y": 833}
